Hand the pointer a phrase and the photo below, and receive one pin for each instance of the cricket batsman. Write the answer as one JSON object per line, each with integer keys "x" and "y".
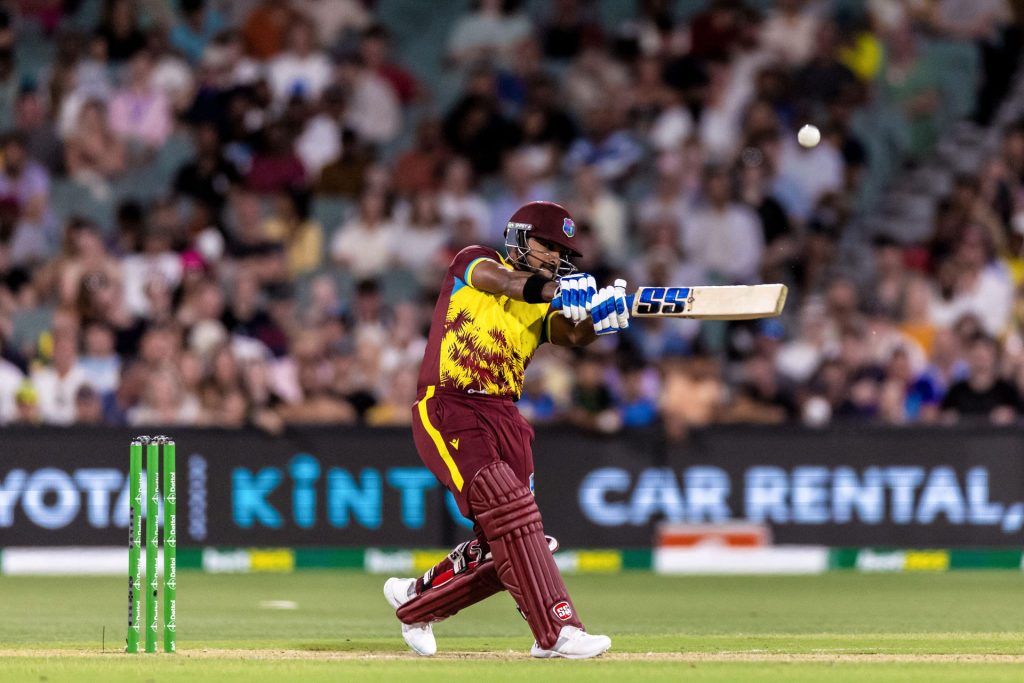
{"x": 492, "y": 314}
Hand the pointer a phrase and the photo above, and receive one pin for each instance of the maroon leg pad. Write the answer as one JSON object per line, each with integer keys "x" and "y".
{"x": 459, "y": 592}
{"x": 506, "y": 511}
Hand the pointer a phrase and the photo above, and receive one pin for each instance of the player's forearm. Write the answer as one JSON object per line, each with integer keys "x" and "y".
{"x": 492, "y": 278}
{"x": 565, "y": 333}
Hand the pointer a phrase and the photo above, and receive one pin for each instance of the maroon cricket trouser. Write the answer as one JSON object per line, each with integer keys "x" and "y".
{"x": 457, "y": 434}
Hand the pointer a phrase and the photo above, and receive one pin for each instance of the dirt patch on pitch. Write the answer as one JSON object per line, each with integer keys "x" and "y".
{"x": 509, "y": 655}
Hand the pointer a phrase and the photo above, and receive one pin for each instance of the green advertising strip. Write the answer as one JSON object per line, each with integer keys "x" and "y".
{"x": 329, "y": 558}
{"x": 637, "y": 558}
{"x": 897, "y": 560}
{"x": 985, "y": 559}
{"x": 380, "y": 559}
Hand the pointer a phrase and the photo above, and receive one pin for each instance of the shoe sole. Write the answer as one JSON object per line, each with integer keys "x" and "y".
{"x": 551, "y": 654}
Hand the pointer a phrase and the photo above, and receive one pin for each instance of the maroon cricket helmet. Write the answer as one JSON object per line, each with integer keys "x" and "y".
{"x": 544, "y": 221}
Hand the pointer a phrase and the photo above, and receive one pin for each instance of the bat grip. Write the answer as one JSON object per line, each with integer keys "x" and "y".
{"x": 556, "y": 303}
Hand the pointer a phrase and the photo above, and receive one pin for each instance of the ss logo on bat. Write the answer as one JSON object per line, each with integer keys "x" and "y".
{"x": 663, "y": 300}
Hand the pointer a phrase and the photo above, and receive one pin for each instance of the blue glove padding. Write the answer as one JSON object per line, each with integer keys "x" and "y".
{"x": 609, "y": 312}
{"x": 577, "y": 295}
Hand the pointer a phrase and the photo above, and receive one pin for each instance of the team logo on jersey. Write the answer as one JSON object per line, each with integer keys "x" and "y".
{"x": 562, "y": 610}
{"x": 568, "y": 227}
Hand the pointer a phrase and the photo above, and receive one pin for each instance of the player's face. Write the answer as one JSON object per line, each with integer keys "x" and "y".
{"x": 543, "y": 256}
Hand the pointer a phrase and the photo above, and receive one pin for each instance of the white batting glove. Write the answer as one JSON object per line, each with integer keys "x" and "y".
{"x": 609, "y": 313}
{"x": 621, "y": 306}
{"x": 577, "y": 293}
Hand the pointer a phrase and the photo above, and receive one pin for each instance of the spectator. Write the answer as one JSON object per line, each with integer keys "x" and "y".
{"x": 593, "y": 406}
{"x": 724, "y": 235}
{"x": 763, "y": 396}
{"x": 34, "y": 124}
{"x": 636, "y": 407}
{"x": 319, "y": 143}
{"x": 315, "y": 376}
{"x": 911, "y": 82}
{"x": 569, "y": 25}
{"x": 164, "y": 402}
{"x": 275, "y": 166}
{"x": 419, "y": 168}
{"x": 692, "y": 394}
{"x": 521, "y": 186}
{"x": 346, "y": 175}
{"x": 978, "y": 284}
{"x": 171, "y": 73}
{"x": 648, "y": 95}
{"x": 490, "y": 32}
{"x": 88, "y": 407}
{"x": 265, "y": 28}
{"x": 197, "y": 27}
{"x": 363, "y": 245}
{"x": 590, "y": 78}
{"x": 11, "y": 379}
{"x": 789, "y": 32}
{"x": 302, "y": 70}
{"x": 476, "y": 129}
{"x": 26, "y": 185}
{"x": 457, "y": 199}
{"x": 809, "y": 175}
{"x": 94, "y": 155}
{"x": 373, "y": 49}
{"x": 293, "y": 226}
{"x": 823, "y": 78}
{"x": 916, "y": 317}
{"x": 547, "y": 131}
{"x": 26, "y": 402}
{"x": 100, "y": 363}
{"x": 120, "y": 31}
{"x": 140, "y": 113}
{"x": 156, "y": 263}
{"x": 419, "y": 244}
{"x": 907, "y": 398}
{"x": 56, "y": 385}
{"x": 210, "y": 176}
{"x": 715, "y": 31}
{"x": 338, "y": 21}
{"x": 982, "y": 394}
{"x": 373, "y": 111}
{"x": 605, "y": 211}
{"x": 536, "y": 404}
{"x": 606, "y": 146}
{"x": 400, "y": 393}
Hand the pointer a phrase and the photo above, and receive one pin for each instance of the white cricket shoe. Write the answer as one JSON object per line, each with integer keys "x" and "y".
{"x": 419, "y": 637}
{"x": 573, "y": 643}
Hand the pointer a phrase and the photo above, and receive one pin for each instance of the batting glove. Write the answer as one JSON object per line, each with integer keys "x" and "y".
{"x": 577, "y": 295}
{"x": 609, "y": 313}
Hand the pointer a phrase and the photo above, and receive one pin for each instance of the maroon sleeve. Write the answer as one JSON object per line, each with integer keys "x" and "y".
{"x": 466, "y": 259}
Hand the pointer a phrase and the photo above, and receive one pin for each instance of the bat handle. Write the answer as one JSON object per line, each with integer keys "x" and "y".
{"x": 556, "y": 303}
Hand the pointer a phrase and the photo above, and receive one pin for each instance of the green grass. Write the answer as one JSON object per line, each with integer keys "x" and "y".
{"x": 787, "y": 620}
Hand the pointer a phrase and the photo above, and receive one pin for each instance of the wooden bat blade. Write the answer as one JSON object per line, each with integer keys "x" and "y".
{"x": 729, "y": 302}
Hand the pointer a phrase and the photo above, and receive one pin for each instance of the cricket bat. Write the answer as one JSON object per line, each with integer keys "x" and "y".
{"x": 729, "y": 302}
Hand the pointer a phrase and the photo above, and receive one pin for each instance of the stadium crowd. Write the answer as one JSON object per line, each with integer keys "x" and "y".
{"x": 223, "y": 297}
